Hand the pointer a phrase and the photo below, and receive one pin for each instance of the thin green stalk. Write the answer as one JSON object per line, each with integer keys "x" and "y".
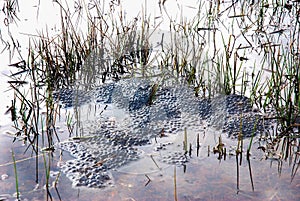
{"x": 16, "y": 175}
{"x": 250, "y": 170}
{"x": 47, "y": 173}
{"x": 237, "y": 171}
{"x": 175, "y": 185}
{"x": 185, "y": 143}
{"x": 253, "y": 134}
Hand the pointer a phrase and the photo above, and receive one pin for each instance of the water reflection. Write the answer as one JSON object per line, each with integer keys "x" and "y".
{"x": 202, "y": 178}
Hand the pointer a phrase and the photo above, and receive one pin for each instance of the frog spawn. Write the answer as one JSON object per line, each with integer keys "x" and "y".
{"x": 95, "y": 156}
{"x": 174, "y": 108}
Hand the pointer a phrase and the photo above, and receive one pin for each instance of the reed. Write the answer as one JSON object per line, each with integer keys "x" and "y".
{"x": 185, "y": 142}
{"x": 198, "y": 144}
{"x": 47, "y": 176}
{"x": 175, "y": 185}
{"x": 206, "y": 53}
{"x": 248, "y": 154}
{"x": 16, "y": 175}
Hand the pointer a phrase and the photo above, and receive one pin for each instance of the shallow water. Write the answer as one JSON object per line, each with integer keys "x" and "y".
{"x": 149, "y": 178}
{"x": 203, "y": 178}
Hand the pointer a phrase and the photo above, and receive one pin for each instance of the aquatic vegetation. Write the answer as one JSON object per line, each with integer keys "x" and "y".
{"x": 16, "y": 176}
{"x": 200, "y": 69}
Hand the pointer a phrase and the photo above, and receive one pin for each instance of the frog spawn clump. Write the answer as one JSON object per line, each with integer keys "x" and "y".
{"x": 175, "y": 158}
{"x": 171, "y": 110}
{"x": 94, "y": 157}
{"x": 233, "y": 114}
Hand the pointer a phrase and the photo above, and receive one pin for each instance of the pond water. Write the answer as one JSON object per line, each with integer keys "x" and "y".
{"x": 206, "y": 175}
{"x": 202, "y": 178}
